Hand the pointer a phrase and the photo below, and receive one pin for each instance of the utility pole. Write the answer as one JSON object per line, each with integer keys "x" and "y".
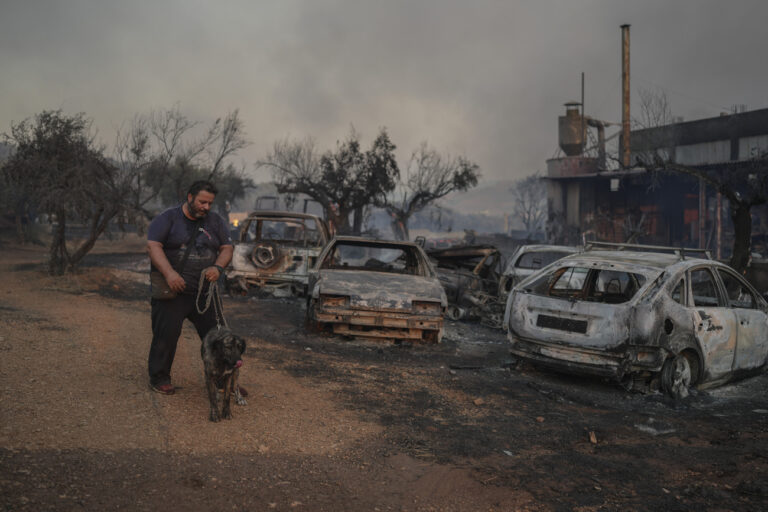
{"x": 625, "y": 96}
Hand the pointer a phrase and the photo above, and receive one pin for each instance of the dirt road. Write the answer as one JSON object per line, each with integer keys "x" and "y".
{"x": 335, "y": 424}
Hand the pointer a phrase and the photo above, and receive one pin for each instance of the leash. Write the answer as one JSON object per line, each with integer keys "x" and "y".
{"x": 211, "y": 296}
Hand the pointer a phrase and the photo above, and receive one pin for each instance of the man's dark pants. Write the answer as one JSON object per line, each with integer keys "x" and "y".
{"x": 167, "y": 317}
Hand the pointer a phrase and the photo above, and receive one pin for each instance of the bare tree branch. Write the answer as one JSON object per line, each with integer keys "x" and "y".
{"x": 429, "y": 176}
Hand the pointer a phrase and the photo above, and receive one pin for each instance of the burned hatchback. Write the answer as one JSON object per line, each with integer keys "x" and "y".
{"x": 645, "y": 318}
{"x": 378, "y": 289}
{"x": 276, "y": 250}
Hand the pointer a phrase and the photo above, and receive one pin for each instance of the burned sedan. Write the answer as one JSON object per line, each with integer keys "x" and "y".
{"x": 646, "y": 319}
{"x": 276, "y": 250}
{"x": 374, "y": 288}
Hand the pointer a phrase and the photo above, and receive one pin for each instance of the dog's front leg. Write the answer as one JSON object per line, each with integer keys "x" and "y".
{"x": 210, "y": 384}
{"x": 239, "y": 399}
{"x": 225, "y": 411}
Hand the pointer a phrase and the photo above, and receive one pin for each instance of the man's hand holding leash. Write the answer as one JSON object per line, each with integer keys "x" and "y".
{"x": 213, "y": 273}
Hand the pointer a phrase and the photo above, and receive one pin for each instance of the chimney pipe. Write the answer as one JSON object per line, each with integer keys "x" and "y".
{"x": 625, "y": 95}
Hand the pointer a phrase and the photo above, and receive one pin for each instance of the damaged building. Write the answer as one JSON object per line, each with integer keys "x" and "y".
{"x": 589, "y": 201}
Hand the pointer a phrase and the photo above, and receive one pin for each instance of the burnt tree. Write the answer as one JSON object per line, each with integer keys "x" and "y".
{"x": 164, "y": 156}
{"x": 65, "y": 176}
{"x": 428, "y": 177}
{"x": 342, "y": 181}
{"x": 530, "y": 195}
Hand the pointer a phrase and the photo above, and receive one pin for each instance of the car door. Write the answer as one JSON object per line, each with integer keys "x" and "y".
{"x": 714, "y": 323}
{"x": 752, "y": 340}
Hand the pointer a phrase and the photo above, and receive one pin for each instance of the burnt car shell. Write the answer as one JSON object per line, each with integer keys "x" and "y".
{"x": 470, "y": 276}
{"x": 679, "y": 326}
{"x": 276, "y": 249}
{"x": 370, "y": 297}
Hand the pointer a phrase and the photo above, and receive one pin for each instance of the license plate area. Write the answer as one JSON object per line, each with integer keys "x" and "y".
{"x": 562, "y": 324}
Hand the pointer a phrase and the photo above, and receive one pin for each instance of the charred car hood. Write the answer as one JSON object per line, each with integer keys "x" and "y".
{"x": 380, "y": 289}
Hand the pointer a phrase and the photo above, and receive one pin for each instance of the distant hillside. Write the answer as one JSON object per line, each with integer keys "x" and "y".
{"x": 488, "y": 198}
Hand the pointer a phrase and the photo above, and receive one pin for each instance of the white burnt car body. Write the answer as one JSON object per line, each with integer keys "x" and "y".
{"x": 646, "y": 319}
{"x": 276, "y": 250}
{"x": 375, "y": 288}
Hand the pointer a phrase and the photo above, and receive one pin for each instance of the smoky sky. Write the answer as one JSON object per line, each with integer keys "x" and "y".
{"x": 483, "y": 79}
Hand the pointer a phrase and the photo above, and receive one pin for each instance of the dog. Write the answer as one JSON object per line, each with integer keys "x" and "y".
{"x": 222, "y": 352}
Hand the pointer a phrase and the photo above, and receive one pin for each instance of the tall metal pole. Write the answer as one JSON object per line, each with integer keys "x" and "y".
{"x": 583, "y": 137}
{"x": 625, "y": 95}
{"x": 719, "y": 217}
{"x": 702, "y": 214}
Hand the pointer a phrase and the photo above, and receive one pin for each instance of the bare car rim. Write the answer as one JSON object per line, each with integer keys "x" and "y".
{"x": 676, "y": 376}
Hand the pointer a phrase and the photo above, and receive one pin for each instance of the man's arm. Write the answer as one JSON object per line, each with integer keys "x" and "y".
{"x": 161, "y": 263}
{"x": 225, "y": 256}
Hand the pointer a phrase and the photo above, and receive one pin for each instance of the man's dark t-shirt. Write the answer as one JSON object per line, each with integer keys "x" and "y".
{"x": 173, "y": 229}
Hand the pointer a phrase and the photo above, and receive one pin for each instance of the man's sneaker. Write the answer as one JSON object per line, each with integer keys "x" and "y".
{"x": 165, "y": 389}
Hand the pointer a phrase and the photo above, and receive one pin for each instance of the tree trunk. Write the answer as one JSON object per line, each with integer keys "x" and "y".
{"x": 58, "y": 252}
{"x": 742, "y": 236}
{"x": 357, "y": 226}
{"x": 400, "y": 227}
{"x": 20, "y": 235}
{"x": 98, "y": 226}
{"x": 340, "y": 222}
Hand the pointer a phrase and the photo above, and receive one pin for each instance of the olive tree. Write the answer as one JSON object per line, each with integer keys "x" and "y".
{"x": 341, "y": 181}
{"x": 429, "y": 176}
{"x": 164, "y": 153}
{"x": 61, "y": 173}
{"x": 56, "y": 168}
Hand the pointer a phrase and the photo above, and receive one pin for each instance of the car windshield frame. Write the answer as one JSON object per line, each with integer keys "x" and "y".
{"x": 375, "y": 257}
{"x": 257, "y": 229}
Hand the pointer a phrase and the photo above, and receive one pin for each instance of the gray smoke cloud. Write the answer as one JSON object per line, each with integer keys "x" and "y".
{"x": 484, "y": 79}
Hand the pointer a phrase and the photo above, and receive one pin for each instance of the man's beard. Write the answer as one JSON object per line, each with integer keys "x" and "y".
{"x": 196, "y": 213}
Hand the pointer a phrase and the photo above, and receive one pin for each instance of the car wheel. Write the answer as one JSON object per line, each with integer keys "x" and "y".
{"x": 454, "y": 313}
{"x": 310, "y": 322}
{"x": 678, "y": 374}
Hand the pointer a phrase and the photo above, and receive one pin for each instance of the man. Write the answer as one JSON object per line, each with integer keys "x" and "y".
{"x": 211, "y": 251}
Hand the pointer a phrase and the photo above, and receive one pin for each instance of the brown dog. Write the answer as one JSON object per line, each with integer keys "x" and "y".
{"x": 222, "y": 352}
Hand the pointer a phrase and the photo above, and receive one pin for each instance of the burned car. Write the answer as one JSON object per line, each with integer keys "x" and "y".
{"x": 470, "y": 276}
{"x": 374, "y": 288}
{"x": 527, "y": 259}
{"x": 647, "y": 319}
{"x": 276, "y": 250}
